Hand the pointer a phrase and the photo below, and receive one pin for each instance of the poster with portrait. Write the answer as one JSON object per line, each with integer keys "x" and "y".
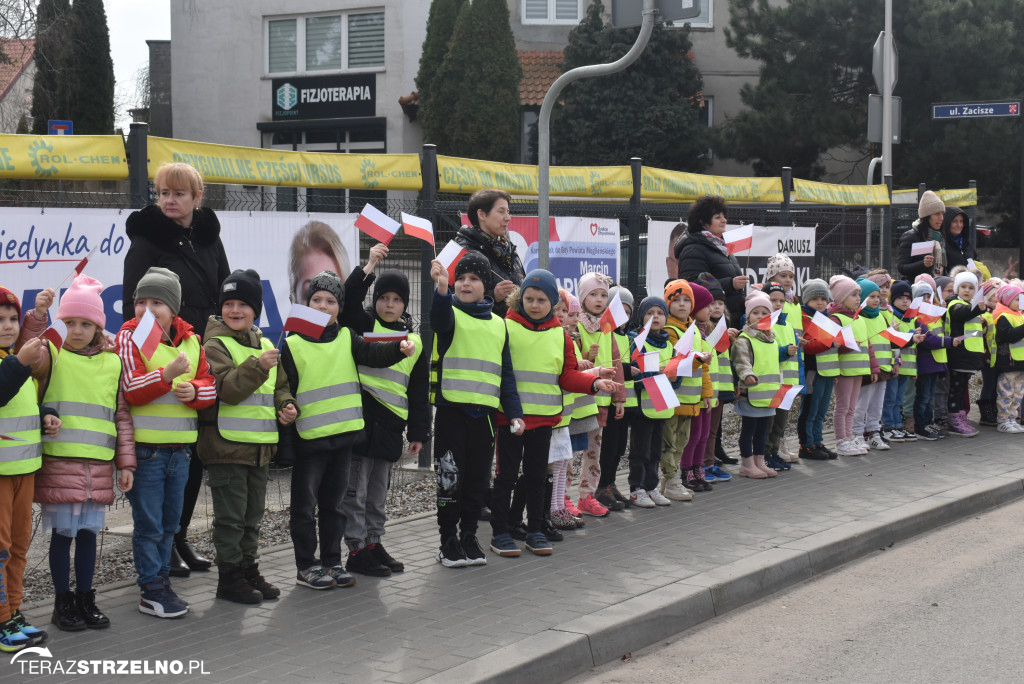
{"x": 41, "y": 247}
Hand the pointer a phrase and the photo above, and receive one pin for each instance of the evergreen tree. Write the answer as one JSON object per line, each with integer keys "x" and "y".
{"x": 92, "y": 87}
{"x": 440, "y": 25}
{"x": 651, "y": 110}
{"x": 475, "y": 95}
{"x": 50, "y": 91}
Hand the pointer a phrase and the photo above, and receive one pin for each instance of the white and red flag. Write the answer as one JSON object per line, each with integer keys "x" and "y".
{"x": 922, "y": 248}
{"x": 390, "y": 336}
{"x": 418, "y": 227}
{"x": 147, "y": 334}
{"x": 719, "y": 337}
{"x": 11, "y": 438}
{"x": 822, "y": 328}
{"x": 913, "y": 309}
{"x": 739, "y": 239}
{"x": 846, "y": 338}
{"x": 306, "y": 321}
{"x": 979, "y": 297}
{"x": 900, "y": 339}
{"x": 929, "y": 313}
{"x": 640, "y": 339}
{"x": 680, "y": 366}
{"x": 650, "y": 362}
{"x": 449, "y": 258}
{"x": 614, "y": 316}
{"x": 684, "y": 345}
{"x": 56, "y": 333}
{"x": 783, "y": 399}
{"x": 767, "y": 322}
{"x": 660, "y": 390}
{"x": 377, "y": 224}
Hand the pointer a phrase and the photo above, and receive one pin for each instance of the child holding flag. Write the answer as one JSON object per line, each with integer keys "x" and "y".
{"x": 723, "y": 381}
{"x": 1009, "y": 357}
{"x": 615, "y": 436}
{"x": 989, "y": 377}
{"x": 866, "y": 430}
{"x": 755, "y": 360}
{"x": 854, "y": 361}
{"x": 785, "y": 336}
{"x": 905, "y": 363}
{"x": 931, "y": 365}
{"x": 692, "y": 462}
{"x": 780, "y": 269}
{"x": 821, "y": 367}
{"x": 964, "y": 321}
{"x": 166, "y": 380}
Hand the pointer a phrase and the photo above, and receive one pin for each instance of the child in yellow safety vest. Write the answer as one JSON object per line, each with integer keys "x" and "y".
{"x": 904, "y": 364}
{"x": 323, "y": 378}
{"x": 395, "y": 400}
{"x": 22, "y": 419}
{"x": 691, "y": 465}
{"x": 1009, "y": 357}
{"x": 781, "y": 270}
{"x": 238, "y": 436}
{"x": 821, "y": 367}
{"x": 714, "y": 453}
{"x": 165, "y": 390}
{"x": 76, "y": 482}
{"x": 583, "y": 417}
{"x": 854, "y": 362}
{"x": 989, "y": 377}
{"x": 615, "y": 436}
{"x": 867, "y": 431}
{"x": 785, "y": 336}
{"x": 964, "y": 322}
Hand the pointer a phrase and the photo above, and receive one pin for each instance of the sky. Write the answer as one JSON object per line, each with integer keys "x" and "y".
{"x": 131, "y": 24}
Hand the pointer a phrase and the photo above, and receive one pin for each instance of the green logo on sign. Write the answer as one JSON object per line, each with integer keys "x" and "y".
{"x": 39, "y": 155}
{"x": 366, "y": 168}
{"x": 287, "y": 96}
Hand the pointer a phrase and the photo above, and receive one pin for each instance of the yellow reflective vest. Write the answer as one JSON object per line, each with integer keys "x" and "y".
{"x": 254, "y": 419}
{"x": 471, "y": 367}
{"x": 390, "y": 386}
{"x": 767, "y": 370}
{"x": 20, "y": 419}
{"x": 166, "y": 420}
{"x": 538, "y": 357}
{"x": 83, "y": 392}
{"x": 330, "y": 402}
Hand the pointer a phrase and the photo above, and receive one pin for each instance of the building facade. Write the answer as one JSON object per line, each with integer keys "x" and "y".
{"x": 17, "y": 77}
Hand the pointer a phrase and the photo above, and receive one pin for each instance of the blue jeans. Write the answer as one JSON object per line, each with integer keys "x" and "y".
{"x": 156, "y": 497}
{"x": 924, "y": 412}
{"x": 892, "y": 409}
{"x": 817, "y": 408}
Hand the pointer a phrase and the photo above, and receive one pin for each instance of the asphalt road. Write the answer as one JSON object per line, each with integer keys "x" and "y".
{"x": 944, "y": 607}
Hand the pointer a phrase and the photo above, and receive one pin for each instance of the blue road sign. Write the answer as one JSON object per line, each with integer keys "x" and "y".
{"x": 975, "y": 110}
{"x": 57, "y": 127}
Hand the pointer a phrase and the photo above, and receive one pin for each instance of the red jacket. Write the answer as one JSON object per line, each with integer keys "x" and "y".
{"x": 813, "y": 346}
{"x": 141, "y": 386}
{"x": 571, "y": 380}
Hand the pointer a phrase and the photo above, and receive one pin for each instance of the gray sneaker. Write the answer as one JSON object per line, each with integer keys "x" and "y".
{"x": 315, "y": 578}
{"x": 340, "y": 577}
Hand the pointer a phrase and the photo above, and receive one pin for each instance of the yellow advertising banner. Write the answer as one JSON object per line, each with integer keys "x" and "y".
{"x": 252, "y": 166}
{"x": 469, "y": 175}
{"x": 63, "y": 157}
{"x": 659, "y": 184}
{"x": 847, "y": 195}
{"x": 963, "y": 197}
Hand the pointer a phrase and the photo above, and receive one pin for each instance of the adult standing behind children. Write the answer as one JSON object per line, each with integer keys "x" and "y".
{"x": 183, "y": 237}
{"x": 489, "y": 216}
{"x": 702, "y": 249}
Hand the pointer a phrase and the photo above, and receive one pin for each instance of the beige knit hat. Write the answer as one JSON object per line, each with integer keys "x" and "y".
{"x": 930, "y": 204}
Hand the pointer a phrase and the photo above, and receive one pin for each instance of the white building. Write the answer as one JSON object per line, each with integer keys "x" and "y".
{"x": 16, "y": 79}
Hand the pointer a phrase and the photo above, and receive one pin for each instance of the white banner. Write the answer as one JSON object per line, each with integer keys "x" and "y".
{"x": 796, "y": 242}
{"x": 38, "y": 248}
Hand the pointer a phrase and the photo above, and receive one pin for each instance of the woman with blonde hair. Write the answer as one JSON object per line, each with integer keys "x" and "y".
{"x": 315, "y": 247}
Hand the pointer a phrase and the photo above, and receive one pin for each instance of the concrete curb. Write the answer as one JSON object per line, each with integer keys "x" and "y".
{"x": 569, "y": 649}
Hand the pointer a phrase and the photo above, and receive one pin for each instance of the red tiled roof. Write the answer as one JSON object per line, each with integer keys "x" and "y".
{"x": 540, "y": 69}
{"x": 19, "y": 51}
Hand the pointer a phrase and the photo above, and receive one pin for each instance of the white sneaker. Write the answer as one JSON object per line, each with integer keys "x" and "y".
{"x": 861, "y": 443}
{"x": 876, "y": 442}
{"x": 786, "y": 452}
{"x": 1009, "y": 427}
{"x": 673, "y": 489}
{"x": 642, "y": 499}
{"x": 658, "y": 498}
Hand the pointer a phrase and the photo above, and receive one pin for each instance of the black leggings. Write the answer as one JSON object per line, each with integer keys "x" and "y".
{"x": 959, "y": 391}
{"x": 754, "y": 435}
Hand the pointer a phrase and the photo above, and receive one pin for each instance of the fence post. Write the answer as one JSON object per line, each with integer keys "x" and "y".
{"x": 921, "y": 188}
{"x": 972, "y": 214}
{"x": 787, "y": 185}
{"x": 635, "y": 225}
{"x": 886, "y": 240}
{"x": 138, "y": 165}
{"x": 428, "y": 209}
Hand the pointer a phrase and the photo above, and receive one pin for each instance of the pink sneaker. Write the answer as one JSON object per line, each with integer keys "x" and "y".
{"x": 572, "y": 509}
{"x": 590, "y": 506}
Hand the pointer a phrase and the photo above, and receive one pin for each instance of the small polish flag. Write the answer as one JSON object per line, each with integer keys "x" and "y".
{"x": 860, "y": 308}
{"x": 719, "y": 337}
{"x": 81, "y": 264}
{"x": 979, "y": 297}
{"x": 395, "y": 336}
{"x": 767, "y": 322}
{"x": 640, "y": 339}
{"x": 900, "y": 339}
{"x": 147, "y": 334}
{"x": 649, "y": 362}
{"x": 914, "y": 308}
{"x": 418, "y": 227}
{"x": 846, "y": 338}
{"x": 739, "y": 239}
{"x": 449, "y": 258}
{"x": 56, "y": 333}
{"x": 614, "y": 316}
{"x": 306, "y": 321}
{"x": 922, "y": 248}
{"x": 783, "y": 399}
{"x": 680, "y": 366}
{"x": 822, "y": 328}
{"x": 971, "y": 266}
{"x": 685, "y": 343}
{"x": 660, "y": 390}
{"x": 377, "y": 224}
{"x": 11, "y": 438}
{"x": 929, "y": 313}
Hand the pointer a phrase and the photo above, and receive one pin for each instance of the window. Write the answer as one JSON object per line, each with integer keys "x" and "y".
{"x": 707, "y": 119}
{"x": 706, "y": 18}
{"x": 551, "y": 11}
{"x": 325, "y": 43}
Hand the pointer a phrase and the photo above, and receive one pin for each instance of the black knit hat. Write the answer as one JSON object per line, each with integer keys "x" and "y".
{"x": 392, "y": 280}
{"x": 245, "y": 286}
{"x": 329, "y": 282}
{"x": 475, "y": 263}
{"x": 900, "y": 288}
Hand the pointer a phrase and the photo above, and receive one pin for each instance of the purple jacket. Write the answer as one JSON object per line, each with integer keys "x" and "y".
{"x": 926, "y": 363}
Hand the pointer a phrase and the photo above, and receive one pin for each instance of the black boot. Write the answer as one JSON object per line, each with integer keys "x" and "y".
{"x": 232, "y": 586}
{"x": 385, "y": 559}
{"x": 987, "y": 409}
{"x": 85, "y": 601}
{"x": 65, "y": 613}
{"x": 257, "y": 581}
{"x": 177, "y": 565}
{"x": 550, "y": 532}
{"x": 722, "y": 458}
{"x": 363, "y": 561}
{"x": 188, "y": 554}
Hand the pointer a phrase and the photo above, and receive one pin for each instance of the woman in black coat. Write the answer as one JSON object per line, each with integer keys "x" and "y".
{"x": 950, "y": 227}
{"x": 489, "y": 215}
{"x": 702, "y": 249}
{"x": 179, "y": 235}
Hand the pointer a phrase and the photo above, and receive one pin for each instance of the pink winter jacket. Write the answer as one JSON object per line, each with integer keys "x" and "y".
{"x": 63, "y": 480}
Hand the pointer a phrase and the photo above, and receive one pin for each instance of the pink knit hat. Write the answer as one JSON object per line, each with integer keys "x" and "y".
{"x": 1007, "y": 293}
{"x": 590, "y": 282}
{"x": 842, "y": 287}
{"x": 756, "y": 299}
{"x": 574, "y": 304}
{"x": 925, "y": 278}
{"x": 82, "y": 300}
{"x": 881, "y": 279}
{"x": 991, "y": 284}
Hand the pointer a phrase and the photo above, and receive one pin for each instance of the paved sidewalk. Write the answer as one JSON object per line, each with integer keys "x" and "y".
{"x": 619, "y": 584}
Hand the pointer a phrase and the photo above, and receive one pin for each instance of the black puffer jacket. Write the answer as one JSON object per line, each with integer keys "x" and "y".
{"x": 697, "y": 254}
{"x": 503, "y": 257}
{"x": 196, "y": 255}
{"x": 913, "y": 266}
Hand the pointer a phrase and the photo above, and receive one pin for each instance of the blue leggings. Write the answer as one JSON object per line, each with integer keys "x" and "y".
{"x": 60, "y": 561}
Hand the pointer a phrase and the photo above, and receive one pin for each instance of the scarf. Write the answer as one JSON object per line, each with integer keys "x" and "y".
{"x": 590, "y": 322}
{"x": 1001, "y": 309}
{"x": 869, "y": 311}
{"x": 717, "y": 240}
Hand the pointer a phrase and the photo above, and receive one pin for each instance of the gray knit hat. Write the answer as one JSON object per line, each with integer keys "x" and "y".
{"x": 930, "y": 204}
{"x": 625, "y": 296}
{"x": 815, "y": 287}
{"x": 329, "y": 282}
{"x": 163, "y": 284}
